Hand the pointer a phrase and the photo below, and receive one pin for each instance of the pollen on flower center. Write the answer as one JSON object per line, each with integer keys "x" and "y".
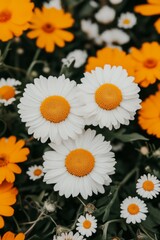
{"x": 133, "y": 209}
{"x": 87, "y": 224}
{"x": 79, "y": 162}
{"x": 48, "y": 28}
{"x": 5, "y": 16}
{"x": 108, "y": 96}
{"x": 150, "y": 63}
{"x": 148, "y": 185}
{"x": 55, "y": 109}
{"x": 126, "y": 21}
{"x": 7, "y": 92}
{"x": 37, "y": 172}
{"x": 3, "y": 160}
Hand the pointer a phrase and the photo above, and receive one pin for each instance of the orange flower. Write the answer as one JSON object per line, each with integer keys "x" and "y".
{"x": 112, "y": 56}
{"x": 48, "y": 27}
{"x": 149, "y": 115}
{"x": 150, "y": 9}
{"x": 13, "y": 18}
{"x": 11, "y": 236}
{"x": 11, "y": 152}
{"x": 7, "y": 198}
{"x": 147, "y": 63}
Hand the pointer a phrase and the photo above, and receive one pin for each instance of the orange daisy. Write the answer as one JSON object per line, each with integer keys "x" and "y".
{"x": 13, "y": 18}
{"x": 11, "y": 236}
{"x": 7, "y": 198}
{"x": 112, "y": 56}
{"x": 149, "y": 115}
{"x": 147, "y": 63}
{"x": 150, "y": 9}
{"x": 48, "y": 26}
{"x": 11, "y": 152}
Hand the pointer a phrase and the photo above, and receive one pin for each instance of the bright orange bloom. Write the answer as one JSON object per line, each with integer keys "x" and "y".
{"x": 150, "y": 9}
{"x": 112, "y": 56}
{"x": 149, "y": 115}
{"x": 147, "y": 63}
{"x": 11, "y": 236}
{"x": 7, "y": 198}
{"x": 14, "y": 17}
{"x": 11, "y": 152}
{"x": 48, "y": 27}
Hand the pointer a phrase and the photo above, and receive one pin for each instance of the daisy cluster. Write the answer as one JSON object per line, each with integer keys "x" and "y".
{"x": 74, "y": 76}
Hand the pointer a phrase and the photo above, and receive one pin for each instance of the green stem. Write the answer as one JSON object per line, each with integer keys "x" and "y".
{"x": 106, "y": 225}
{"x": 34, "y": 61}
{"x": 144, "y": 230}
{"x": 81, "y": 201}
{"x": 35, "y": 222}
{"x": 16, "y": 223}
{"x": 13, "y": 68}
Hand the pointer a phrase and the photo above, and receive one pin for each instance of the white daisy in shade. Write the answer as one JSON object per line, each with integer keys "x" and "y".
{"x": 127, "y": 20}
{"x": 70, "y": 236}
{"x": 35, "y": 172}
{"x": 148, "y": 186}
{"x": 134, "y": 210}
{"x": 83, "y": 165}
{"x": 114, "y": 2}
{"x": 90, "y": 29}
{"x": 114, "y": 37}
{"x": 8, "y": 90}
{"x": 53, "y": 3}
{"x": 79, "y": 56}
{"x": 109, "y": 97}
{"x": 87, "y": 225}
{"x": 50, "y": 109}
{"x": 105, "y": 15}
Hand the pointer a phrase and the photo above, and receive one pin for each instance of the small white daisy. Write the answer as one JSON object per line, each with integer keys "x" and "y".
{"x": 86, "y": 225}
{"x": 70, "y": 236}
{"x": 133, "y": 209}
{"x": 83, "y": 165}
{"x": 93, "y": 4}
{"x": 50, "y": 108}
{"x": 114, "y": 2}
{"x": 127, "y": 20}
{"x": 114, "y": 37}
{"x": 90, "y": 29}
{"x": 105, "y": 15}
{"x": 35, "y": 172}
{"x": 109, "y": 97}
{"x": 8, "y": 90}
{"x": 53, "y": 3}
{"x": 148, "y": 186}
{"x": 80, "y": 57}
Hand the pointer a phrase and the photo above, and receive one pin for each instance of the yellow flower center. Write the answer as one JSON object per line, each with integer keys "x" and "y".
{"x": 87, "y": 224}
{"x": 108, "y": 96}
{"x": 133, "y": 209}
{"x": 79, "y": 162}
{"x": 7, "y": 92}
{"x": 148, "y": 185}
{"x": 48, "y": 28}
{"x": 126, "y": 21}
{"x": 37, "y": 172}
{"x": 3, "y": 160}
{"x": 55, "y": 109}
{"x": 5, "y": 16}
{"x": 150, "y": 63}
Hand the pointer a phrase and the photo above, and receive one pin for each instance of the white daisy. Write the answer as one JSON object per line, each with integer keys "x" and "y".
{"x": 35, "y": 172}
{"x": 53, "y": 3}
{"x": 114, "y": 2}
{"x": 127, "y": 20}
{"x": 50, "y": 109}
{"x": 83, "y": 165}
{"x": 93, "y": 4}
{"x": 79, "y": 56}
{"x": 109, "y": 96}
{"x": 114, "y": 37}
{"x": 105, "y": 15}
{"x": 8, "y": 90}
{"x": 133, "y": 209}
{"x": 89, "y": 28}
{"x": 87, "y": 225}
{"x": 70, "y": 236}
{"x": 148, "y": 186}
